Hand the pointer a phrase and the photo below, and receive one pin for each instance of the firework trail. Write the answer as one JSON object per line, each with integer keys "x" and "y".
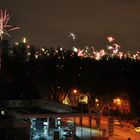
{"x": 72, "y": 35}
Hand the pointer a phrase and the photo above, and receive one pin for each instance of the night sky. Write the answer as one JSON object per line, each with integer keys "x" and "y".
{"x": 48, "y": 22}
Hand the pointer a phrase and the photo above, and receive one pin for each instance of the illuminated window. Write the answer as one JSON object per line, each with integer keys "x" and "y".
{"x": 66, "y": 101}
{"x": 117, "y": 101}
{"x": 84, "y": 99}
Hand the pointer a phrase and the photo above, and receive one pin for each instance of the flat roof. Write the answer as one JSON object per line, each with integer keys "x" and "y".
{"x": 35, "y": 112}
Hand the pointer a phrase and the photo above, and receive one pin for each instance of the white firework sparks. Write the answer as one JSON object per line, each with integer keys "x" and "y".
{"x": 4, "y": 26}
{"x": 72, "y": 35}
{"x": 75, "y": 49}
{"x": 110, "y": 38}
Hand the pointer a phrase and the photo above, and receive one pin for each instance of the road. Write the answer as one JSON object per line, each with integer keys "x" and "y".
{"x": 120, "y": 133}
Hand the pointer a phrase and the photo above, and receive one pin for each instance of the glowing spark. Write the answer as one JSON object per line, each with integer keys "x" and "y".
{"x": 115, "y": 51}
{"x": 16, "y": 43}
{"x": 110, "y": 47}
{"x": 97, "y": 56}
{"x": 75, "y": 49}
{"x": 80, "y": 53}
{"x": 28, "y": 46}
{"x": 4, "y": 19}
{"x": 116, "y": 46}
{"x": 72, "y": 35}
{"x": 42, "y": 49}
{"x": 24, "y": 40}
{"x": 102, "y": 52}
{"x": 110, "y": 39}
{"x": 120, "y": 55}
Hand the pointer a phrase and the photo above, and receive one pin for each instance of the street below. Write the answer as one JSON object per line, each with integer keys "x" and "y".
{"x": 121, "y": 132}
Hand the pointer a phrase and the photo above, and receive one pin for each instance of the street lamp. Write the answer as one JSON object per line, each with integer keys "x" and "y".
{"x": 75, "y": 91}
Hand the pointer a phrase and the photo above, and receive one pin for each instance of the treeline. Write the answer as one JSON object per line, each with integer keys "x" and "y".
{"x": 27, "y": 73}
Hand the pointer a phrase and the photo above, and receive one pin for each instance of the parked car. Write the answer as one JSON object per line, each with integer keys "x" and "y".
{"x": 137, "y": 129}
{"x": 117, "y": 122}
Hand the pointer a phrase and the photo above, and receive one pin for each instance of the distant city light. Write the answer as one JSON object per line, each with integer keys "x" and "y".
{"x": 36, "y": 56}
{"x": 110, "y": 51}
{"x": 16, "y": 43}
{"x": 3, "y": 112}
{"x": 96, "y": 100}
{"x": 28, "y": 46}
{"x": 24, "y": 40}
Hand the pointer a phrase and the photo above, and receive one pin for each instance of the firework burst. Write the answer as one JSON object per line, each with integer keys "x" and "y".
{"x": 110, "y": 38}
{"x": 5, "y": 27}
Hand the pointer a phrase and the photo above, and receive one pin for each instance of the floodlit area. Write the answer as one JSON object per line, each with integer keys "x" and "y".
{"x": 59, "y": 128}
{"x": 51, "y": 128}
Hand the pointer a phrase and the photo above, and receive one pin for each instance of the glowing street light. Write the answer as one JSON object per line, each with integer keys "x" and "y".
{"x": 75, "y": 91}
